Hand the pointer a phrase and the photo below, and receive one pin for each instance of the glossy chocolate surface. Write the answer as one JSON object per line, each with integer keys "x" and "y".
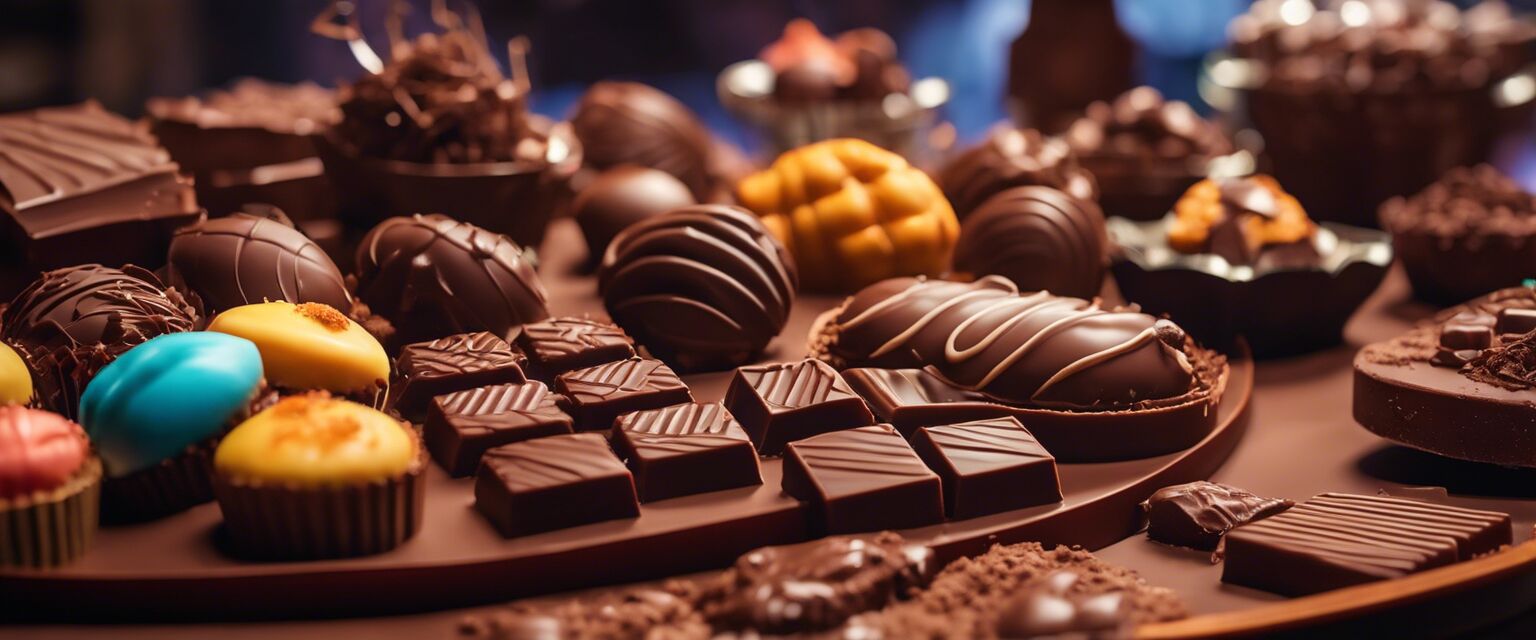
{"x": 1198, "y": 514}
{"x": 1012, "y": 158}
{"x": 553, "y": 483}
{"x": 558, "y": 345}
{"x": 461, "y": 426}
{"x": 1040, "y": 238}
{"x": 596, "y": 395}
{"x": 622, "y": 196}
{"x": 862, "y": 479}
{"x": 684, "y": 449}
{"x": 245, "y": 259}
{"x": 622, "y": 123}
{"x": 453, "y": 363}
{"x": 988, "y": 466}
{"x": 781, "y": 403}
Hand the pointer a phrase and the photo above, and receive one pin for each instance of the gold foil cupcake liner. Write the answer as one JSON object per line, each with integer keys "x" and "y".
{"x": 51, "y": 528}
{"x": 292, "y": 522}
{"x": 171, "y": 486}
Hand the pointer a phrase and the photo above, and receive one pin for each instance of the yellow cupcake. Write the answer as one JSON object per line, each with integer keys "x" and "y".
{"x": 314, "y": 439}
{"x": 15, "y": 378}
{"x": 308, "y": 346}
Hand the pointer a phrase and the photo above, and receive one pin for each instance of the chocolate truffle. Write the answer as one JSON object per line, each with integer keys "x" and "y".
{"x": 631, "y": 123}
{"x": 244, "y": 259}
{"x": 434, "y": 276}
{"x": 703, "y": 287}
{"x": 1040, "y": 238}
{"x": 1465, "y": 235}
{"x": 622, "y": 196}
{"x": 73, "y": 321}
{"x": 1013, "y": 158}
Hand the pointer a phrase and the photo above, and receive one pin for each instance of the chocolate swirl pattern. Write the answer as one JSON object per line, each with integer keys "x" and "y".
{"x": 433, "y": 276}
{"x": 1033, "y": 350}
{"x": 1012, "y": 158}
{"x": 703, "y": 287}
{"x": 51, "y": 154}
{"x": 455, "y": 355}
{"x": 622, "y": 123}
{"x": 1040, "y": 238}
{"x": 486, "y": 410}
{"x": 552, "y": 461}
{"x": 244, "y": 259}
{"x": 682, "y": 429}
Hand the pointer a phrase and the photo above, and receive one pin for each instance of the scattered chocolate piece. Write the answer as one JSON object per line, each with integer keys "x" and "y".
{"x": 912, "y": 398}
{"x": 1511, "y": 365}
{"x": 1198, "y": 514}
{"x": 1048, "y": 608}
{"x": 862, "y": 479}
{"x": 622, "y": 196}
{"x": 558, "y": 345}
{"x": 597, "y": 395}
{"x": 783, "y": 402}
{"x": 988, "y": 466}
{"x": 245, "y": 259}
{"x": 685, "y": 449}
{"x": 461, "y": 426}
{"x": 1336, "y": 540}
{"x": 553, "y": 483}
{"x": 455, "y": 363}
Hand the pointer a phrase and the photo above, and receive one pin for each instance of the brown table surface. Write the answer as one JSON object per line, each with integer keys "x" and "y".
{"x": 1301, "y": 440}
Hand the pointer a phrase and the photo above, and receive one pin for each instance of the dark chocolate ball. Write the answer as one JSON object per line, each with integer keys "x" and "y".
{"x": 703, "y": 287}
{"x": 71, "y": 322}
{"x": 622, "y": 196}
{"x": 630, "y": 123}
{"x": 433, "y": 276}
{"x": 244, "y": 259}
{"x": 1040, "y": 238}
{"x": 1013, "y": 158}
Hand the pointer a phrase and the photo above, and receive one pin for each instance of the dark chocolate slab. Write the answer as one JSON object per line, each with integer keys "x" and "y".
{"x": 453, "y": 363}
{"x": 988, "y": 466}
{"x": 685, "y": 449}
{"x": 911, "y": 398}
{"x": 862, "y": 479}
{"x": 558, "y": 345}
{"x": 462, "y": 425}
{"x": 1197, "y": 514}
{"x": 597, "y": 395}
{"x": 553, "y": 483}
{"x": 783, "y": 402}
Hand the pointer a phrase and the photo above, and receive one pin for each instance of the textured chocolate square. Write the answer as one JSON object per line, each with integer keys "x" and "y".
{"x": 462, "y": 425}
{"x": 453, "y": 363}
{"x": 685, "y": 449}
{"x": 863, "y": 479}
{"x": 988, "y": 466}
{"x": 558, "y": 345}
{"x": 781, "y": 403}
{"x": 553, "y": 483}
{"x": 597, "y": 395}
{"x": 911, "y": 398}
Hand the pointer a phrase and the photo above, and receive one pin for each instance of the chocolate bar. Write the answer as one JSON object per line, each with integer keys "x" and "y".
{"x": 558, "y": 345}
{"x": 988, "y": 466}
{"x": 553, "y": 483}
{"x": 863, "y": 479}
{"x": 781, "y": 403}
{"x": 462, "y": 425}
{"x": 685, "y": 449}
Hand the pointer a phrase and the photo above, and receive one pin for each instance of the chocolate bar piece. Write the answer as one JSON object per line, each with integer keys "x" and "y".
{"x": 80, "y": 184}
{"x": 781, "y": 403}
{"x": 597, "y": 395}
{"x": 1337, "y": 540}
{"x": 558, "y": 345}
{"x": 862, "y": 479}
{"x": 988, "y": 466}
{"x": 1515, "y": 321}
{"x": 911, "y": 398}
{"x": 1197, "y": 514}
{"x": 455, "y": 363}
{"x": 462, "y": 425}
{"x": 685, "y": 449}
{"x": 553, "y": 483}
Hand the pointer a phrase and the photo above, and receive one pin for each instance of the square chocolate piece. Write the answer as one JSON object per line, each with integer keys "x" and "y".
{"x": 911, "y": 398}
{"x": 685, "y": 449}
{"x": 553, "y": 483}
{"x": 781, "y": 403}
{"x": 462, "y": 425}
{"x": 454, "y": 363}
{"x": 597, "y": 395}
{"x": 558, "y": 345}
{"x": 988, "y": 466}
{"x": 862, "y": 479}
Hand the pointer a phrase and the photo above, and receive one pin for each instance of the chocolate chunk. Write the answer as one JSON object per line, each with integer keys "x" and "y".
{"x": 783, "y": 402}
{"x": 814, "y": 586}
{"x": 702, "y": 288}
{"x": 1460, "y": 337}
{"x": 1197, "y": 514}
{"x": 454, "y": 363}
{"x": 1511, "y": 365}
{"x": 558, "y": 345}
{"x": 597, "y": 395}
{"x": 245, "y": 259}
{"x": 622, "y": 196}
{"x": 622, "y": 123}
{"x": 1050, "y": 607}
{"x": 462, "y": 425}
{"x": 79, "y": 184}
{"x": 685, "y": 449}
{"x": 912, "y": 398}
{"x": 553, "y": 483}
{"x": 1038, "y": 237}
{"x": 1012, "y": 158}
{"x": 988, "y": 466}
{"x": 1515, "y": 321}
{"x": 433, "y": 276}
{"x": 1337, "y": 540}
{"x": 72, "y": 322}
{"x": 863, "y": 479}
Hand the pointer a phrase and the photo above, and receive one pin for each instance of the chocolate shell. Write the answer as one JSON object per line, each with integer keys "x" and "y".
{"x": 71, "y": 322}
{"x": 244, "y": 259}
{"x": 1013, "y": 158}
{"x": 1040, "y": 238}
{"x": 622, "y": 196}
{"x": 631, "y": 123}
{"x": 433, "y": 276}
{"x": 704, "y": 287}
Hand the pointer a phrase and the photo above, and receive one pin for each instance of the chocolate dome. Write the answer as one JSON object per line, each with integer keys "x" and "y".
{"x": 1013, "y": 158}
{"x": 244, "y": 259}
{"x": 1038, "y": 237}
{"x": 622, "y": 196}
{"x": 631, "y": 123}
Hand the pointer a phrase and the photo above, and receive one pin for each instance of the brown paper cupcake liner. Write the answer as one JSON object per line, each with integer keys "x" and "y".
{"x": 293, "y": 522}
{"x": 174, "y": 485}
{"x": 52, "y": 528}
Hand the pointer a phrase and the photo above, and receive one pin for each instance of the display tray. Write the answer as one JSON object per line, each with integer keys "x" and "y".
{"x": 176, "y": 568}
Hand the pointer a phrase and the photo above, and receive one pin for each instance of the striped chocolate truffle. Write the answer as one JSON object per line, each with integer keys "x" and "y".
{"x": 1040, "y": 238}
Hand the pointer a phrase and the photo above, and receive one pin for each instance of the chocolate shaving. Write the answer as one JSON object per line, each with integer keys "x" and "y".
{"x": 1511, "y": 366}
